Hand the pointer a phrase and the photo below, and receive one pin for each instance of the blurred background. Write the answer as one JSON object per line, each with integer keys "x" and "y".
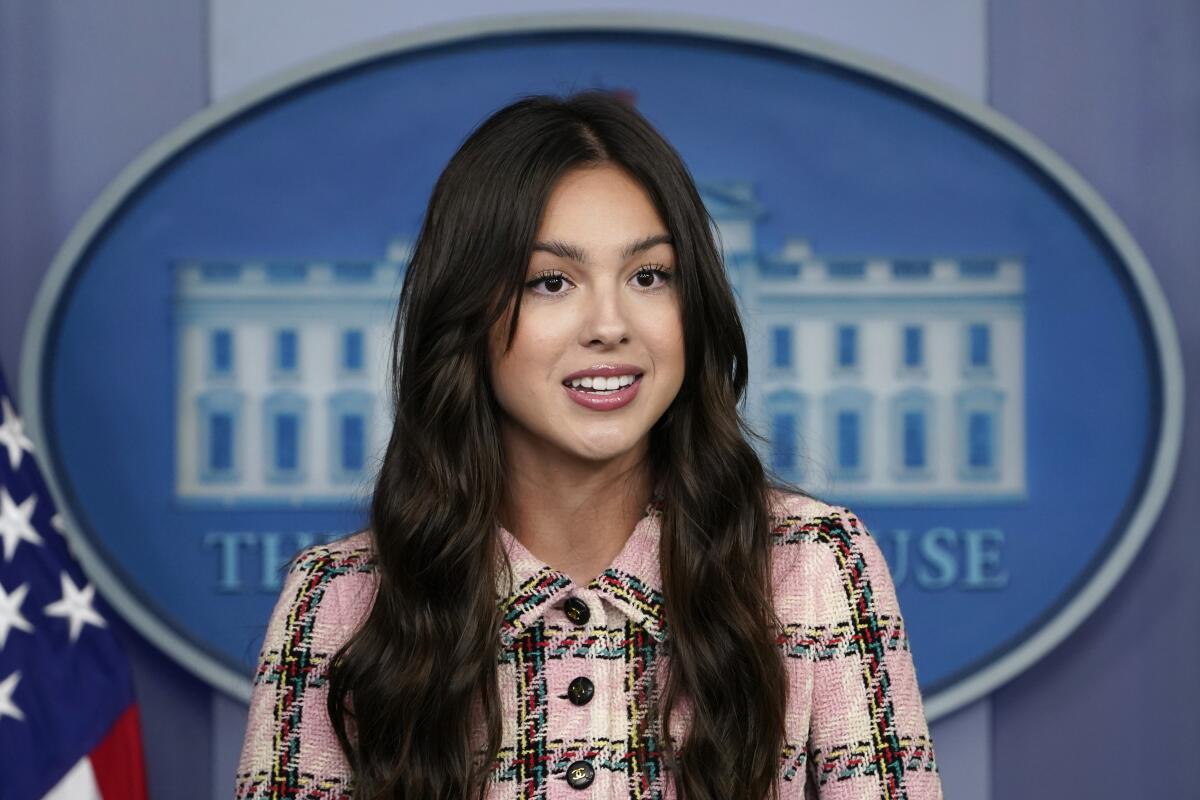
{"x": 961, "y": 231}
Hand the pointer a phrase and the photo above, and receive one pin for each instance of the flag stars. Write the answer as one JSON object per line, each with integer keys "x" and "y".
{"x": 15, "y": 525}
{"x": 76, "y": 606}
{"x": 12, "y": 434}
{"x": 10, "y": 612}
{"x": 7, "y": 707}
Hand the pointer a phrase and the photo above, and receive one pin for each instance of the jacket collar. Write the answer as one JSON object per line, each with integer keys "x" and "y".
{"x": 632, "y": 582}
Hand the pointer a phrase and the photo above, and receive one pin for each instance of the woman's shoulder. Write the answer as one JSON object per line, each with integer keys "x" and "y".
{"x": 352, "y": 554}
{"x": 324, "y": 597}
{"x": 335, "y": 578}
{"x": 842, "y": 627}
{"x": 352, "y": 549}
{"x": 793, "y": 506}
{"x": 801, "y": 519}
{"x": 824, "y": 547}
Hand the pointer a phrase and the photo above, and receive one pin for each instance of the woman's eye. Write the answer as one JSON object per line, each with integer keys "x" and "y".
{"x": 554, "y": 282}
{"x": 664, "y": 275}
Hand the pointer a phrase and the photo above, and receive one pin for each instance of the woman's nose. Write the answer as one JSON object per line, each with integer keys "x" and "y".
{"x": 605, "y": 317}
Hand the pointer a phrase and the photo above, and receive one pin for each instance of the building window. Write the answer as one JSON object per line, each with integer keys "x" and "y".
{"x": 848, "y": 432}
{"x": 911, "y": 425}
{"x": 914, "y": 346}
{"x": 977, "y": 268}
{"x": 352, "y": 350}
{"x": 220, "y": 361}
{"x": 353, "y": 443}
{"x": 979, "y": 436}
{"x": 914, "y": 439}
{"x": 218, "y": 416}
{"x": 218, "y": 272}
{"x": 220, "y": 441}
{"x": 286, "y": 350}
{"x": 287, "y": 434}
{"x": 285, "y": 415}
{"x": 848, "y": 441}
{"x": 912, "y": 268}
{"x": 979, "y": 344}
{"x": 350, "y": 415}
{"x": 781, "y": 347}
{"x": 846, "y": 269}
{"x": 846, "y": 356}
{"x": 354, "y": 272}
{"x": 786, "y": 411}
{"x": 287, "y": 273}
{"x": 979, "y": 440}
{"x": 783, "y": 441}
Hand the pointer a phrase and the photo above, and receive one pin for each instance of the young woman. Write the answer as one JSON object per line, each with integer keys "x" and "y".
{"x": 578, "y": 579}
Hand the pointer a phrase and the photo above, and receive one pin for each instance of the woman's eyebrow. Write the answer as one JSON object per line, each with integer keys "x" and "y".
{"x": 576, "y": 253}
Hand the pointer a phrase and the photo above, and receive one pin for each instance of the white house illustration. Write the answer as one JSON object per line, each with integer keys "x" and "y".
{"x": 895, "y": 380}
{"x": 281, "y": 371}
{"x": 885, "y": 379}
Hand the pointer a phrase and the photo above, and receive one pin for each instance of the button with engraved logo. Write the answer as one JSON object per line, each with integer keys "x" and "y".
{"x": 580, "y": 690}
{"x": 580, "y": 774}
{"x": 577, "y": 610}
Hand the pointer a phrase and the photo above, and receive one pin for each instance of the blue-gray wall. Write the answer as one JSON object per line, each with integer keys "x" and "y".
{"x": 1114, "y": 88}
{"x": 1111, "y": 85}
{"x": 84, "y": 88}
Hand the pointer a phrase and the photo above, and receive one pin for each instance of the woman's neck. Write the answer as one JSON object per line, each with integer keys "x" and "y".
{"x": 576, "y": 526}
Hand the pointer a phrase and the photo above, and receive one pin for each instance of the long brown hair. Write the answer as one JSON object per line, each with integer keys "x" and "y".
{"x": 406, "y": 689}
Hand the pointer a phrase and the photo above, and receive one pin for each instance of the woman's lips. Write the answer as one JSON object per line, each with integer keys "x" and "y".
{"x": 605, "y": 402}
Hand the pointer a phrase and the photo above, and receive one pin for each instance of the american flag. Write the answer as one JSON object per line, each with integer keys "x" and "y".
{"x": 68, "y": 719}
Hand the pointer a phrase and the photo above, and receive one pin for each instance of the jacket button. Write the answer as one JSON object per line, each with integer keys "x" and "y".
{"x": 580, "y": 690}
{"x": 580, "y": 774}
{"x": 577, "y": 610}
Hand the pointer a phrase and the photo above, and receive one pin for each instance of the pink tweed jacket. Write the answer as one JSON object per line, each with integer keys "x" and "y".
{"x": 577, "y": 664}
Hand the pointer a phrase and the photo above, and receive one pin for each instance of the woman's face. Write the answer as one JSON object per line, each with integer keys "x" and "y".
{"x": 594, "y": 298}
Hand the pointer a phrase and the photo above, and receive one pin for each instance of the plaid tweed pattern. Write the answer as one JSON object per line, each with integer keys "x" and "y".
{"x": 855, "y": 726}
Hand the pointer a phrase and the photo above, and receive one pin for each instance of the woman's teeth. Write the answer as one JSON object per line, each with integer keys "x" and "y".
{"x": 601, "y": 384}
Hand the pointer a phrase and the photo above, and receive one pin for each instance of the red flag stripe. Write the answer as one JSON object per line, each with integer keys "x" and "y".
{"x": 117, "y": 759}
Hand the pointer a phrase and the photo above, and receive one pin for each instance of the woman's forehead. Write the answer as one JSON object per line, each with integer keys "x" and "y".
{"x": 601, "y": 204}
